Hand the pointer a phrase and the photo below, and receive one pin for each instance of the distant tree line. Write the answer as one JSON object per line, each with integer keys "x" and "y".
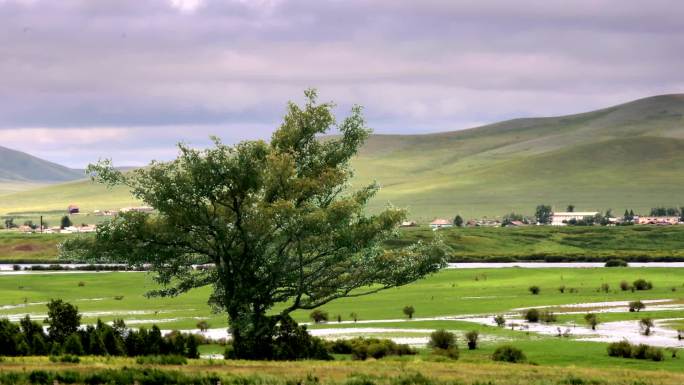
{"x": 65, "y": 336}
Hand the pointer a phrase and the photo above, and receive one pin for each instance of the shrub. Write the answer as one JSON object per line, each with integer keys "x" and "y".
{"x": 203, "y": 326}
{"x": 561, "y": 288}
{"x": 73, "y": 345}
{"x": 319, "y": 316}
{"x": 472, "y": 338}
{"x": 40, "y": 377}
{"x": 620, "y": 349}
{"x": 408, "y": 311}
{"x": 646, "y": 324}
{"x": 339, "y": 318}
{"x": 442, "y": 339}
{"x": 508, "y": 353}
{"x": 340, "y": 347}
{"x": 642, "y": 284}
{"x": 636, "y": 306}
{"x": 452, "y": 353}
{"x": 118, "y": 297}
{"x": 81, "y": 284}
{"x": 354, "y": 316}
{"x": 67, "y": 358}
{"x": 534, "y": 290}
{"x": 624, "y": 286}
{"x": 547, "y": 316}
{"x": 616, "y": 263}
{"x": 605, "y": 287}
{"x": 592, "y": 320}
{"x": 363, "y": 348}
{"x": 500, "y": 320}
{"x": 531, "y": 315}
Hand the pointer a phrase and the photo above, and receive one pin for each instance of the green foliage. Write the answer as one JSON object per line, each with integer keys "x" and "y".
{"x": 73, "y": 345}
{"x": 616, "y": 263}
{"x": 534, "y": 290}
{"x": 543, "y": 214}
{"x": 65, "y": 222}
{"x": 531, "y": 315}
{"x": 63, "y": 320}
{"x": 624, "y": 349}
{"x": 500, "y": 320}
{"x": 646, "y": 324}
{"x": 642, "y": 284}
{"x": 458, "y": 221}
{"x": 472, "y": 339}
{"x": 363, "y": 348}
{"x": 592, "y": 320}
{"x": 636, "y": 306}
{"x": 547, "y": 316}
{"x": 442, "y": 339}
{"x": 319, "y": 316}
{"x": 275, "y": 219}
{"x": 408, "y": 311}
{"x": 508, "y": 353}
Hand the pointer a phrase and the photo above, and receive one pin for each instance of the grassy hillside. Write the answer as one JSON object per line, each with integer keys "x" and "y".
{"x": 19, "y": 166}
{"x": 626, "y": 156}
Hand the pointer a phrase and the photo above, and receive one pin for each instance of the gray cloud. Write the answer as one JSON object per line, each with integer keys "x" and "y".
{"x": 161, "y": 71}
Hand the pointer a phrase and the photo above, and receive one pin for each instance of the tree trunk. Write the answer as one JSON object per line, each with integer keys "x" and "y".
{"x": 253, "y": 336}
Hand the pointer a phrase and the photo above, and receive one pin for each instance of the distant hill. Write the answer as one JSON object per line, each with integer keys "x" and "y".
{"x": 626, "y": 156}
{"x": 16, "y": 166}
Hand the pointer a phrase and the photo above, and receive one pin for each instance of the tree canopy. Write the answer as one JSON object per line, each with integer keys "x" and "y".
{"x": 268, "y": 223}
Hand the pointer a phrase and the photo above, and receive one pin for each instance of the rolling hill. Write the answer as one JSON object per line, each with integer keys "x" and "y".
{"x": 625, "y": 156}
{"x": 19, "y": 167}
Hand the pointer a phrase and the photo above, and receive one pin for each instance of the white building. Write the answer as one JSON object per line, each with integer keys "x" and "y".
{"x": 562, "y": 218}
{"x": 439, "y": 223}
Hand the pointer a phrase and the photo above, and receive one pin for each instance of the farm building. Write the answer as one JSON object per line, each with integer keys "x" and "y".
{"x": 439, "y": 223}
{"x": 656, "y": 220}
{"x": 562, "y": 218}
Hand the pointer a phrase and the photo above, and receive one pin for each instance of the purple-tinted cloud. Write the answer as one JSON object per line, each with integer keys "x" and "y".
{"x": 127, "y": 79}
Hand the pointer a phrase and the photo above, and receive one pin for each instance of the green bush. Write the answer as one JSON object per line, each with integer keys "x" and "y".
{"x": 451, "y": 353}
{"x": 547, "y": 316}
{"x": 500, "y": 320}
{"x": 531, "y": 315}
{"x": 625, "y": 286}
{"x": 616, "y": 263}
{"x": 68, "y": 358}
{"x": 620, "y": 349}
{"x": 319, "y": 316}
{"x": 363, "y": 348}
{"x": 40, "y": 377}
{"x": 508, "y": 353}
{"x": 642, "y": 284}
{"x": 534, "y": 290}
{"x": 636, "y": 306}
{"x": 472, "y": 338}
{"x": 442, "y": 339}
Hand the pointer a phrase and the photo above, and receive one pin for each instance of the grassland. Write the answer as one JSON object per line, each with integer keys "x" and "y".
{"x": 635, "y": 243}
{"x": 418, "y": 371}
{"x": 450, "y": 292}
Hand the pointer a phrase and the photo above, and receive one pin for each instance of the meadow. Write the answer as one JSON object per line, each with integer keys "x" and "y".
{"x": 443, "y": 300}
{"x": 545, "y": 243}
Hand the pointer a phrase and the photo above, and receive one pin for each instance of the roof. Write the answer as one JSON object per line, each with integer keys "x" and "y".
{"x": 440, "y": 221}
{"x": 576, "y": 214}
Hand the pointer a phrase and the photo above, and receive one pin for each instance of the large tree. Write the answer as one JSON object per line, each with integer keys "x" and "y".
{"x": 274, "y": 223}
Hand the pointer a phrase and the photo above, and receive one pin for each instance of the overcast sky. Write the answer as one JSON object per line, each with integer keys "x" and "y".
{"x": 126, "y": 79}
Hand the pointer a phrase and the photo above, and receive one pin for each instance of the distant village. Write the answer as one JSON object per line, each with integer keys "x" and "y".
{"x": 67, "y": 225}
{"x": 545, "y": 216}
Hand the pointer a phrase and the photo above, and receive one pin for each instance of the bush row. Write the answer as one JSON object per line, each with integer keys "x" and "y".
{"x": 642, "y": 352}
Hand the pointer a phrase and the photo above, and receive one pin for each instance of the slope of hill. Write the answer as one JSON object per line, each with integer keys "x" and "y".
{"x": 16, "y": 166}
{"x": 626, "y": 156}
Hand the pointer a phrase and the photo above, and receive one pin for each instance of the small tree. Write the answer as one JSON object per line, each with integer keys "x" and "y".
{"x": 65, "y": 222}
{"x": 472, "y": 338}
{"x": 354, "y": 316}
{"x": 508, "y": 353}
{"x": 500, "y": 320}
{"x": 543, "y": 214}
{"x": 408, "y": 311}
{"x": 73, "y": 345}
{"x": 442, "y": 339}
{"x": 646, "y": 325}
{"x": 203, "y": 326}
{"x": 458, "y": 221}
{"x": 570, "y": 208}
{"x": 339, "y": 318}
{"x": 592, "y": 320}
{"x": 636, "y": 306}
{"x": 319, "y": 316}
{"x": 62, "y": 319}
{"x": 642, "y": 284}
{"x": 534, "y": 290}
{"x": 625, "y": 286}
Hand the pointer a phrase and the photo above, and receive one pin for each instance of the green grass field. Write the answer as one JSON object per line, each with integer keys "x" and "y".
{"x": 447, "y": 293}
{"x": 636, "y": 243}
